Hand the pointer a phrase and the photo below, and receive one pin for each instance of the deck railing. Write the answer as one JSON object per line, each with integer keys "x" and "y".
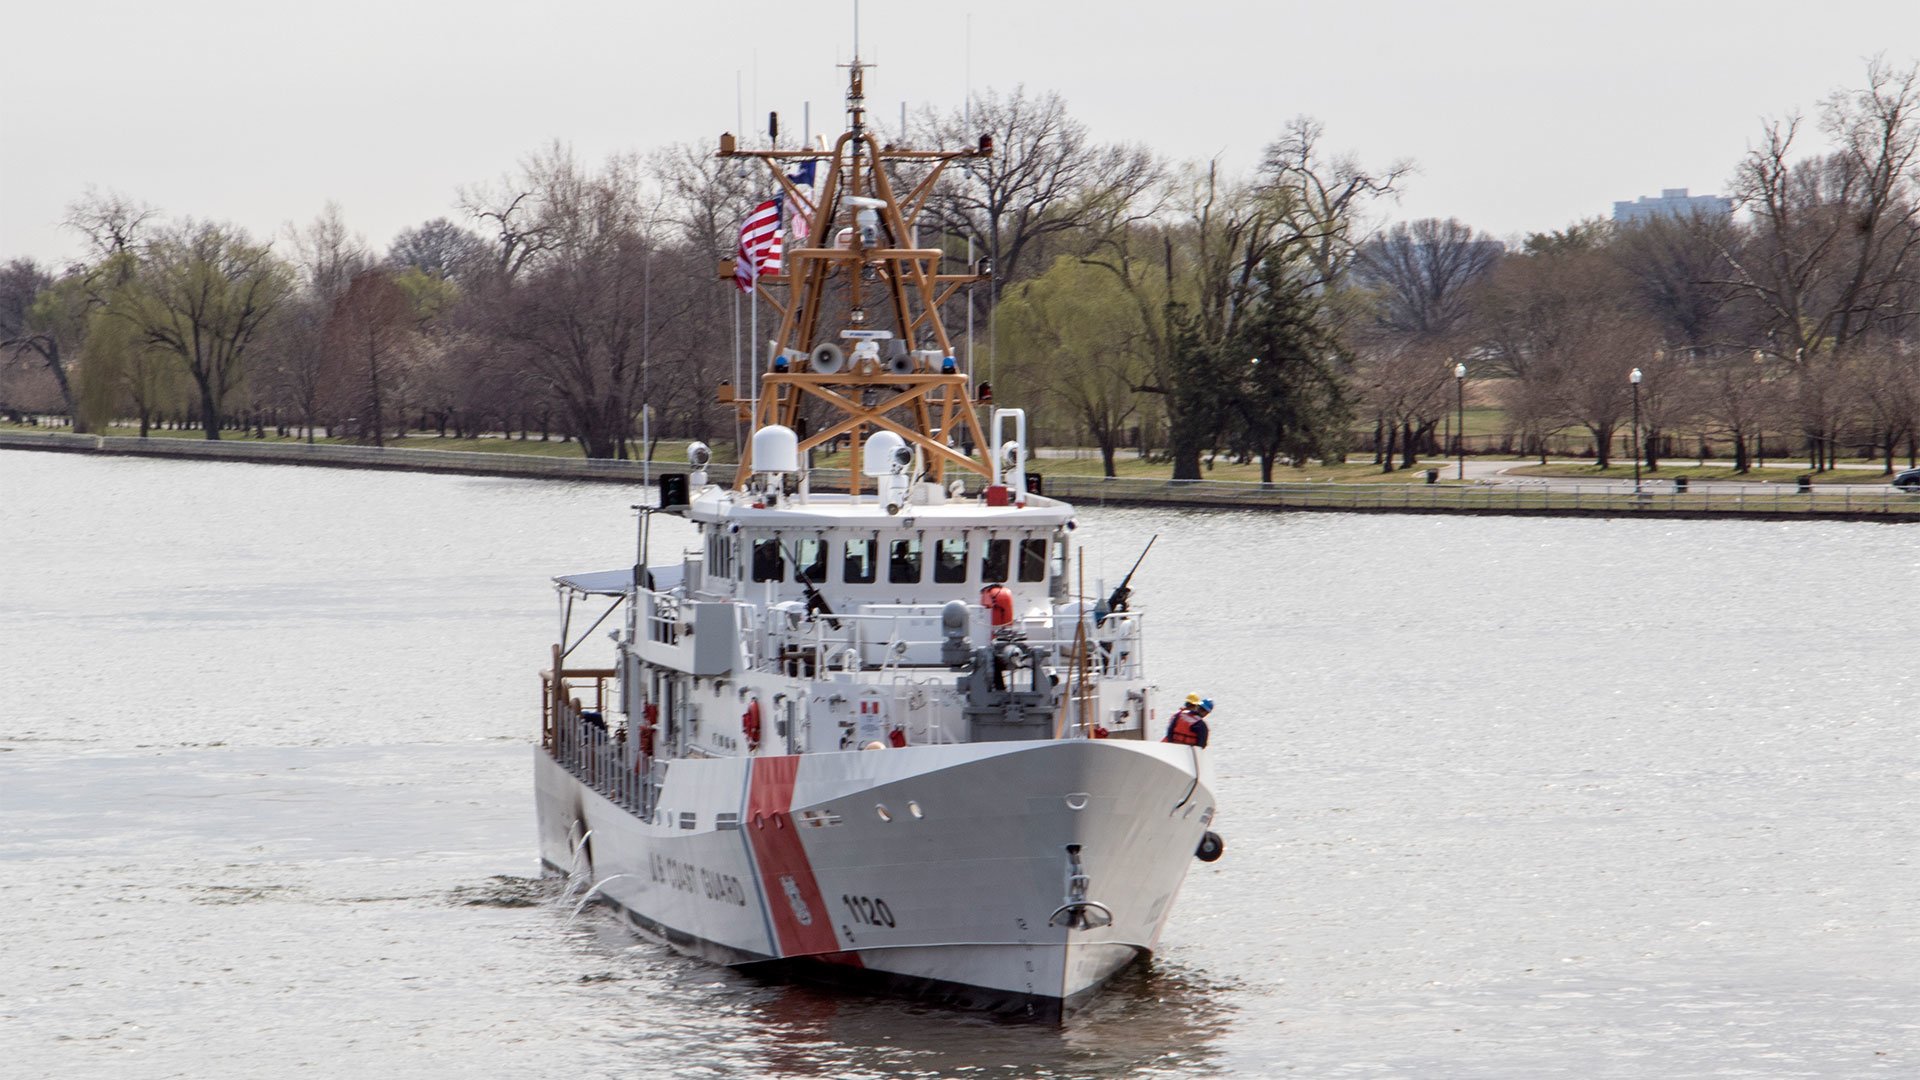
{"x": 577, "y": 731}
{"x": 1114, "y": 646}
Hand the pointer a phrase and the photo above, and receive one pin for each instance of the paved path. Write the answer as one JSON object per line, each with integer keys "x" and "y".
{"x": 1499, "y": 472}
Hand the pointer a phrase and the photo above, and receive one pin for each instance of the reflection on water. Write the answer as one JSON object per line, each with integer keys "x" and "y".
{"x": 1156, "y": 1019}
{"x": 1503, "y": 799}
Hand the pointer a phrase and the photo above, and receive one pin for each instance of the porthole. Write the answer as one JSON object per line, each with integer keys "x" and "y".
{"x": 914, "y": 809}
{"x": 881, "y": 809}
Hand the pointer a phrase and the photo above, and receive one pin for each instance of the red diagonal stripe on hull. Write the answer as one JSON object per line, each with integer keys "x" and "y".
{"x": 800, "y": 916}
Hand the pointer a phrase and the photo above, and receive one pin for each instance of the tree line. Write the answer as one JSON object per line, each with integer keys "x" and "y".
{"x": 1134, "y": 302}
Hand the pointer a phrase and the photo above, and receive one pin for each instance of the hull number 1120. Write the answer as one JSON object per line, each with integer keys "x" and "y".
{"x": 868, "y": 910}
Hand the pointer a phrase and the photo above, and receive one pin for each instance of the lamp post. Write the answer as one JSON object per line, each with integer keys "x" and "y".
{"x": 1460, "y": 411}
{"x": 1635, "y": 379}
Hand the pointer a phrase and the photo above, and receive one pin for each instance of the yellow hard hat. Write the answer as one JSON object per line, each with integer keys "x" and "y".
{"x": 1193, "y": 699}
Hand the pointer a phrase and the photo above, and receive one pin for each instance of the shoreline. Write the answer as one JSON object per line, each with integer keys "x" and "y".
{"x": 1604, "y": 500}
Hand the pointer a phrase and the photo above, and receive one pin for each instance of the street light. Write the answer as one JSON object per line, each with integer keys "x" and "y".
{"x": 1635, "y": 378}
{"x": 1460, "y": 409}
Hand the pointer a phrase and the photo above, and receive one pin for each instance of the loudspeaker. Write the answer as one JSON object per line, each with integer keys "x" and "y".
{"x": 827, "y": 359}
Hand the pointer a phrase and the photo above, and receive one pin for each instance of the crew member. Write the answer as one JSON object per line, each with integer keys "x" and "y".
{"x": 1189, "y": 726}
{"x": 998, "y": 600}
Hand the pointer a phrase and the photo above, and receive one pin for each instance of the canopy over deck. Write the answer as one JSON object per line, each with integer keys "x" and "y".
{"x": 599, "y": 582}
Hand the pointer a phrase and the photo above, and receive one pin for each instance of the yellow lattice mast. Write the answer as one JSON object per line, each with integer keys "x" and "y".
{"x": 860, "y": 326}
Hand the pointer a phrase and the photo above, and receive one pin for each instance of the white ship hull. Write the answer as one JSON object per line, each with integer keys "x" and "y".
{"x": 939, "y": 871}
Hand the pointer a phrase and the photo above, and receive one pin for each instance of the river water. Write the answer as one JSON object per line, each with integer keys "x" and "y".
{"x": 1502, "y": 798}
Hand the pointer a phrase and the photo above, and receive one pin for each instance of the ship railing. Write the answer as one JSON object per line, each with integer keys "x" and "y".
{"x": 601, "y": 759}
{"x": 1111, "y": 648}
{"x": 577, "y": 730}
{"x": 663, "y": 618}
{"x": 585, "y": 742}
{"x": 806, "y": 647}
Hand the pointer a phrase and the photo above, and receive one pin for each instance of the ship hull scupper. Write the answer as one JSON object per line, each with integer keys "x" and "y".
{"x": 939, "y": 872}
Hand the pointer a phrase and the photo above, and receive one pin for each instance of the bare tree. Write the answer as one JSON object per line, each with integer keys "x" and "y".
{"x": 1671, "y": 394}
{"x": 440, "y": 248}
{"x": 1737, "y": 399}
{"x": 110, "y": 221}
{"x": 1045, "y": 182}
{"x": 1834, "y": 236}
{"x": 327, "y": 254}
{"x": 583, "y": 316}
{"x": 1320, "y": 201}
{"x": 1422, "y": 275}
{"x": 369, "y": 337}
{"x": 1678, "y": 268}
{"x": 1557, "y": 317}
{"x": 1594, "y": 357}
{"x": 510, "y": 211}
{"x": 1404, "y": 385}
{"x": 1822, "y": 403}
{"x": 1887, "y": 387}
{"x": 706, "y": 196}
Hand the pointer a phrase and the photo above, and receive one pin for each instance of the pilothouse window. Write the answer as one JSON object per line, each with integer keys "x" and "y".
{"x": 858, "y": 567}
{"x": 719, "y": 554}
{"x": 903, "y": 568}
{"x": 1033, "y": 560}
{"x": 993, "y": 565}
{"x": 950, "y": 560}
{"x": 768, "y": 563}
{"x": 811, "y": 566}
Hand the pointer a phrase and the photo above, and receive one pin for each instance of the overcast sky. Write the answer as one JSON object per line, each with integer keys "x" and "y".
{"x": 1519, "y": 116}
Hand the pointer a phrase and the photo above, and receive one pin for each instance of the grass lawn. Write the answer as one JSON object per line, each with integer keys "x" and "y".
{"x": 1128, "y": 464}
{"x": 1354, "y": 472}
{"x": 675, "y": 452}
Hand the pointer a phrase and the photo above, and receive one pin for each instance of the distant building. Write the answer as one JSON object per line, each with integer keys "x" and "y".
{"x": 1674, "y": 203}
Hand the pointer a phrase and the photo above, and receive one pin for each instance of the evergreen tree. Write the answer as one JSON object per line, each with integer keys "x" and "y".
{"x": 1285, "y": 360}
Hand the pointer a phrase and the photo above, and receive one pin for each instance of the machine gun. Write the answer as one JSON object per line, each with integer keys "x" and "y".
{"x": 1117, "y": 601}
{"x": 816, "y": 603}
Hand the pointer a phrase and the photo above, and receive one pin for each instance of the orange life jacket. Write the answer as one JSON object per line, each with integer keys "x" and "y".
{"x": 998, "y": 600}
{"x": 1182, "y": 731}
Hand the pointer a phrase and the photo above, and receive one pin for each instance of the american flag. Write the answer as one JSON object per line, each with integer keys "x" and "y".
{"x": 759, "y": 252}
{"x": 802, "y": 177}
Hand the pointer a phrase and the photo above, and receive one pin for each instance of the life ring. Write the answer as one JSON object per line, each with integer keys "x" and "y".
{"x": 750, "y": 724}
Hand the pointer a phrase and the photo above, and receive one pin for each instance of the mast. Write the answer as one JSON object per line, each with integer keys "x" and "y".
{"x": 860, "y": 335}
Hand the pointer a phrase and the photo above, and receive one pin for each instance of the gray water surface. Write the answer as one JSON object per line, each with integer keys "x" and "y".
{"x": 1502, "y": 797}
